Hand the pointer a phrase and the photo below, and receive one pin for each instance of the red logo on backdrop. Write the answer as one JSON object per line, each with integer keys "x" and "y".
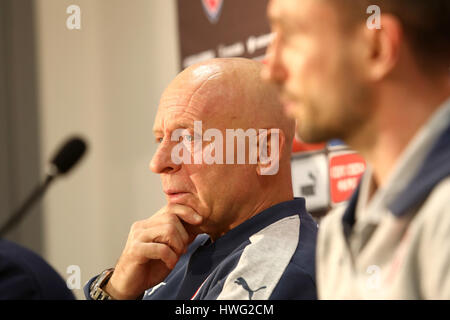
{"x": 299, "y": 146}
{"x": 345, "y": 173}
{"x": 213, "y": 8}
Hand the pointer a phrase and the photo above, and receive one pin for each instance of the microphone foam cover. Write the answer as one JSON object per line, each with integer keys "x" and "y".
{"x": 67, "y": 156}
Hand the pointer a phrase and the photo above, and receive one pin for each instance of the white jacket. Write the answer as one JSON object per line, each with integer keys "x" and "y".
{"x": 397, "y": 246}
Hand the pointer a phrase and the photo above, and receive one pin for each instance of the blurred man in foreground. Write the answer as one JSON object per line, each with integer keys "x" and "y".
{"x": 24, "y": 275}
{"x": 385, "y": 91}
{"x": 253, "y": 240}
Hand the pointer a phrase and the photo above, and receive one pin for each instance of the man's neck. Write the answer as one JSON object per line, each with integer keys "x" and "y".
{"x": 400, "y": 114}
{"x": 252, "y": 208}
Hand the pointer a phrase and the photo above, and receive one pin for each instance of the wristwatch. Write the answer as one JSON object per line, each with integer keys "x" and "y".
{"x": 96, "y": 289}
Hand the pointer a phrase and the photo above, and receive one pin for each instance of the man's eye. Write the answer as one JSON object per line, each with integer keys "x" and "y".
{"x": 159, "y": 140}
{"x": 188, "y": 138}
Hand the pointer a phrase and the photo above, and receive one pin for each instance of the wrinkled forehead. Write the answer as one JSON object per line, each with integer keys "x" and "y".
{"x": 191, "y": 88}
{"x": 180, "y": 107}
{"x": 219, "y": 93}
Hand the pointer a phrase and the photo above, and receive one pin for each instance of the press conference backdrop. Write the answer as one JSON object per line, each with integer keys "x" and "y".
{"x": 221, "y": 29}
{"x": 325, "y": 174}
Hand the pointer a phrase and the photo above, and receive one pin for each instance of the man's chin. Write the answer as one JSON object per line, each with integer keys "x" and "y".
{"x": 191, "y": 229}
{"x": 311, "y": 135}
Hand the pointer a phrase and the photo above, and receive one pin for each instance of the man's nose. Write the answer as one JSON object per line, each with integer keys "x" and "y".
{"x": 274, "y": 69}
{"x": 162, "y": 159}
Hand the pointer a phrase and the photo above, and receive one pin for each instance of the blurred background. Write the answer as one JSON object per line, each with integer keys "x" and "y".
{"x": 102, "y": 81}
{"x": 96, "y": 68}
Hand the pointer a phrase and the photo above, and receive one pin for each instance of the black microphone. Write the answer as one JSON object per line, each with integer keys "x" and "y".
{"x": 63, "y": 161}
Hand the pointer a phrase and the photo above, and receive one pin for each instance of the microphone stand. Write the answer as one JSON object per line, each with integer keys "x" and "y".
{"x": 18, "y": 215}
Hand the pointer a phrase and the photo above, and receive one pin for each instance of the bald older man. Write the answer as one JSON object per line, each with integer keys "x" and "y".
{"x": 230, "y": 230}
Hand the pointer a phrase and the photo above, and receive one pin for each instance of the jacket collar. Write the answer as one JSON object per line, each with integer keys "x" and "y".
{"x": 435, "y": 168}
{"x": 242, "y": 232}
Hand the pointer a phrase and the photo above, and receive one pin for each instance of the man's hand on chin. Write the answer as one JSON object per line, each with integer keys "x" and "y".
{"x": 153, "y": 248}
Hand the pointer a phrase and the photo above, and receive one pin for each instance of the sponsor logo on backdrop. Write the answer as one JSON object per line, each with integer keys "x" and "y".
{"x": 345, "y": 172}
{"x": 310, "y": 179}
{"x": 213, "y": 9}
{"x": 222, "y": 29}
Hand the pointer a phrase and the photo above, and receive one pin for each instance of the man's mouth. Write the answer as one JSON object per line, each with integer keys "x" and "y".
{"x": 176, "y": 195}
{"x": 289, "y": 100}
{"x": 288, "y": 105}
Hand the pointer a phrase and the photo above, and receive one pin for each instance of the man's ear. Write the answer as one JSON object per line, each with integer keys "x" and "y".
{"x": 271, "y": 145}
{"x": 382, "y": 47}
